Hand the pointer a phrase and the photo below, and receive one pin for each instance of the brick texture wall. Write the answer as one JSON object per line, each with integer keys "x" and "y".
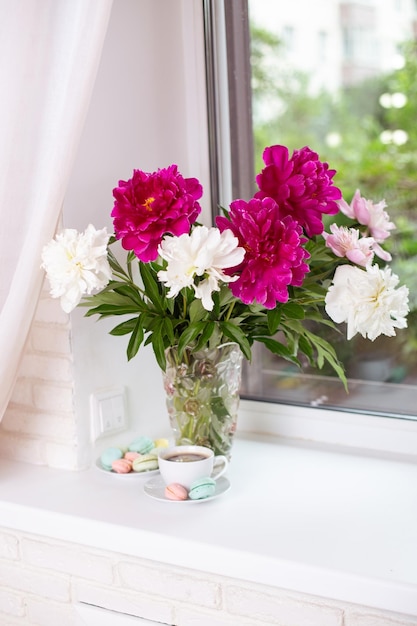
{"x": 39, "y": 424}
{"x": 42, "y": 582}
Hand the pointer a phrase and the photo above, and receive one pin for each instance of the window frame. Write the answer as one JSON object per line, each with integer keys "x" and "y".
{"x": 229, "y": 112}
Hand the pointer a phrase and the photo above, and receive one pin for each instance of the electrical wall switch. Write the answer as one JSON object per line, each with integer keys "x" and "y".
{"x": 108, "y": 412}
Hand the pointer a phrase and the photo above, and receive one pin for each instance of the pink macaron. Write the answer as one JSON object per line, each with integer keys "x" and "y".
{"x": 121, "y": 466}
{"x": 131, "y": 456}
{"x": 175, "y": 491}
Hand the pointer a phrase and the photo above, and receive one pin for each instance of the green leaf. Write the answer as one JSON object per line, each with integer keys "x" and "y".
{"x": 107, "y": 296}
{"x": 236, "y": 334}
{"x": 205, "y": 335}
{"x": 115, "y": 265}
{"x": 276, "y": 347}
{"x": 188, "y": 335}
{"x": 216, "y": 307}
{"x": 151, "y": 286}
{"x": 274, "y": 318}
{"x": 293, "y": 311}
{"x": 306, "y": 348}
{"x": 159, "y": 350}
{"x": 294, "y": 325}
{"x": 167, "y": 328}
{"x": 326, "y": 352}
{"x": 196, "y": 311}
{"x": 135, "y": 340}
{"x": 292, "y": 339}
{"x": 130, "y": 292}
{"x": 226, "y": 296}
{"x": 104, "y": 310}
{"x": 124, "y": 328}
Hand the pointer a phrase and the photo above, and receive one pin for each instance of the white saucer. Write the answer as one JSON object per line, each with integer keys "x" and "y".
{"x": 155, "y": 488}
{"x": 136, "y": 474}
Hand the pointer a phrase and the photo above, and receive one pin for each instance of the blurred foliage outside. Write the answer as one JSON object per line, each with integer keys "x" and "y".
{"x": 345, "y": 130}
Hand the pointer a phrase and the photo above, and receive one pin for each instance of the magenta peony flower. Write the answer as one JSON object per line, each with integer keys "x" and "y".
{"x": 302, "y": 186}
{"x": 148, "y": 206}
{"x": 274, "y": 255}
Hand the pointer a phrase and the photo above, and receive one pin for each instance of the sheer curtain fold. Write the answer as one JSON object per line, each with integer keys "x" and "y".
{"x": 49, "y": 55}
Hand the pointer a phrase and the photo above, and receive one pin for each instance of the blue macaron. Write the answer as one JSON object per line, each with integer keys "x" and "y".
{"x": 202, "y": 488}
{"x": 108, "y": 456}
{"x": 143, "y": 445}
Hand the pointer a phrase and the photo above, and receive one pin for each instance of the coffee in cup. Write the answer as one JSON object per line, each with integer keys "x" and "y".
{"x": 186, "y": 464}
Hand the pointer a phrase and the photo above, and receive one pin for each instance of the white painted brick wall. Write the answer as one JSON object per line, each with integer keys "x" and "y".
{"x": 280, "y": 608}
{"x": 369, "y": 618}
{"x": 69, "y": 559}
{"x": 11, "y": 604}
{"x": 49, "y": 613}
{"x": 22, "y": 448}
{"x": 9, "y": 546}
{"x": 41, "y": 583}
{"x": 170, "y": 583}
{"x": 118, "y": 598}
{"x": 19, "y": 577}
{"x": 39, "y": 425}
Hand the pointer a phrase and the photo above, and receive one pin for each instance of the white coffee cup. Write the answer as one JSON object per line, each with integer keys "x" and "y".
{"x": 185, "y": 464}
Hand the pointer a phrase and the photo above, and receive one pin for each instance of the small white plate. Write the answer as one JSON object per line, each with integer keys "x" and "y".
{"x": 155, "y": 488}
{"x": 137, "y": 474}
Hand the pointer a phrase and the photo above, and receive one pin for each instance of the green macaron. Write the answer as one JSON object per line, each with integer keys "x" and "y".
{"x": 145, "y": 463}
{"x": 202, "y": 488}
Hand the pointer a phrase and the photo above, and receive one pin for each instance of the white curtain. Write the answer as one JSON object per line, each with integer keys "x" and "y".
{"x": 49, "y": 55}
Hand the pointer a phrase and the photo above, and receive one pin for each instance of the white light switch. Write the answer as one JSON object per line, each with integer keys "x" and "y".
{"x": 108, "y": 412}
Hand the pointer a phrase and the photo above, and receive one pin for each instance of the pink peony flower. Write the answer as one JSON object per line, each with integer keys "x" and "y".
{"x": 346, "y": 242}
{"x": 369, "y": 214}
{"x": 302, "y": 186}
{"x": 274, "y": 256}
{"x": 148, "y": 206}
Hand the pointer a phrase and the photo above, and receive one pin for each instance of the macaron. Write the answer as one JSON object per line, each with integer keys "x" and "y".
{"x": 143, "y": 445}
{"x": 121, "y": 466}
{"x": 145, "y": 463}
{"x": 108, "y": 456}
{"x": 131, "y": 456}
{"x": 202, "y": 488}
{"x": 161, "y": 443}
{"x": 175, "y": 491}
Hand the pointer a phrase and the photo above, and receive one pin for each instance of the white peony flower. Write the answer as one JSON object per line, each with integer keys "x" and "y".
{"x": 205, "y": 253}
{"x": 76, "y": 264}
{"x": 368, "y": 301}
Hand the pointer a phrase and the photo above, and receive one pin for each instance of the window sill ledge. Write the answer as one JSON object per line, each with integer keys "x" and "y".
{"x": 299, "y": 516}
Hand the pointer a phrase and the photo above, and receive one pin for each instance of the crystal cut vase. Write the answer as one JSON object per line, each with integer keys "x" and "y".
{"x": 202, "y": 395}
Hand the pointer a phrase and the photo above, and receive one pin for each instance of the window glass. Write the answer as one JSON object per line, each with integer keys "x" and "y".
{"x": 340, "y": 77}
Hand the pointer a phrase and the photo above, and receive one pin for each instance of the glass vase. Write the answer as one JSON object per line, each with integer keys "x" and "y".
{"x": 202, "y": 396}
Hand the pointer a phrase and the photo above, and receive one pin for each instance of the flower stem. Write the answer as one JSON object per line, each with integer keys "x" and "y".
{"x": 229, "y": 311}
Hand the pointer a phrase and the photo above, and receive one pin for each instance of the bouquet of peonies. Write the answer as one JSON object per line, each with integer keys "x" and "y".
{"x": 264, "y": 273}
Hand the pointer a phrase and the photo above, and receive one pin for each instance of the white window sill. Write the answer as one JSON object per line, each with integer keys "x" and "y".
{"x": 356, "y": 431}
{"x": 300, "y": 516}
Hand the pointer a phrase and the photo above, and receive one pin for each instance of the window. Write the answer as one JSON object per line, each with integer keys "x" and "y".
{"x": 346, "y": 129}
{"x": 288, "y": 37}
{"x": 322, "y": 46}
